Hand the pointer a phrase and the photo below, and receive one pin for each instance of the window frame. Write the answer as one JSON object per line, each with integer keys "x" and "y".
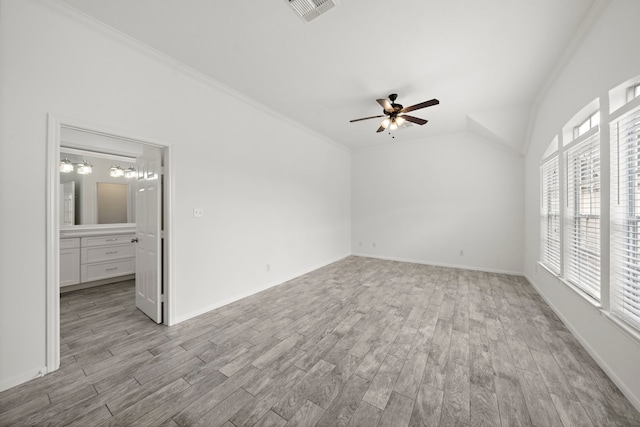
{"x": 633, "y": 92}
{"x": 592, "y": 121}
{"x": 550, "y": 215}
{"x": 583, "y": 221}
{"x": 625, "y": 215}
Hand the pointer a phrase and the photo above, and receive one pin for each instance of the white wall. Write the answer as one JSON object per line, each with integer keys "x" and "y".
{"x": 607, "y": 57}
{"x": 426, "y": 201}
{"x": 272, "y": 192}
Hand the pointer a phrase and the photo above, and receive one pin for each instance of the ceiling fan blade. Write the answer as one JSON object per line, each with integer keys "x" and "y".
{"x": 385, "y": 104}
{"x": 366, "y": 118}
{"x": 416, "y": 120}
{"x": 421, "y": 105}
{"x": 380, "y": 129}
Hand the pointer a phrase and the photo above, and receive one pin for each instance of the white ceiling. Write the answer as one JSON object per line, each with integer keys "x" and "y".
{"x": 484, "y": 60}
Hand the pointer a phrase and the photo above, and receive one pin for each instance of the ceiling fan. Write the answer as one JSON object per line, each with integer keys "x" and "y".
{"x": 395, "y": 113}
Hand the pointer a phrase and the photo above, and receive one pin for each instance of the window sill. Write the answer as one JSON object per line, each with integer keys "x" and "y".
{"x": 623, "y": 326}
{"x": 584, "y": 296}
{"x": 618, "y": 323}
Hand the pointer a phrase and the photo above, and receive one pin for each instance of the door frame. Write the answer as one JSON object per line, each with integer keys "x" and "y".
{"x": 52, "y": 304}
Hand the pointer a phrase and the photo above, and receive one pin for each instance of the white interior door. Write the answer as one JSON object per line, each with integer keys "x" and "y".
{"x": 148, "y": 233}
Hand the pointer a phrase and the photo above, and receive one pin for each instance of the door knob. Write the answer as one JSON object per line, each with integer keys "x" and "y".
{"x": 134, "y": 240}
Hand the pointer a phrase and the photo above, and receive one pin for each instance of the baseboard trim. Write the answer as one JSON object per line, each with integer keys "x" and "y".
{"x": 95, "y": 283}
{"x": 635, "y": 400}
{"x": 439, "y": 264}
{"x": 255, "y": 290}
{"x": 8, "y": 383}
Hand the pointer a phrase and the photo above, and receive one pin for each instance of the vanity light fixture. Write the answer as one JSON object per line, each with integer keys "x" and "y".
{"x": 130, "y": 173}
{"x": 66, "y": 166}
{"x": 116, "y": 171}
{"x": 85, "y": 168}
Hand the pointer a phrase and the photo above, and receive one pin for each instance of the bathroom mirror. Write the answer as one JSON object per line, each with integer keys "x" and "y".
{"x": 101, "y": 194}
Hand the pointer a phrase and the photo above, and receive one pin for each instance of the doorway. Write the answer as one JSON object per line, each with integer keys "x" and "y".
{"x": 139, "y": 230}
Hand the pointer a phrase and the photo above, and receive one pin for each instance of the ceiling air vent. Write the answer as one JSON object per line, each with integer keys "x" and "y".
{"x": 311, "y": 9}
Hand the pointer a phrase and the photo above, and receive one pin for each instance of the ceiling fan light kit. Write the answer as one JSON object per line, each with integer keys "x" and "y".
{"x": 395, "y": 113}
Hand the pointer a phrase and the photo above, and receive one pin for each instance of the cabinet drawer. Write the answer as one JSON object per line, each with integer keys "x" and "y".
{"x": 117, "y": 239}
{"x": 106, "y": 253}
{"x": 70, "y": 243}
{"x": 104, "y": 270}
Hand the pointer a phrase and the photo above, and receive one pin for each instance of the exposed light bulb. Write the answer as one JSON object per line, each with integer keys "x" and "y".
{"x": 130, "y": 173}
{"x": 66, "y": 166}
{"x": 116, "y": 171}
{"x": 85, "y": 168}
{"x": 385, "y": 123}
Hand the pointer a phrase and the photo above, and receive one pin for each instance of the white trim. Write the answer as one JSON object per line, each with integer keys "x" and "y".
{"x": 605, "y": 200}
{"x": 549, "y": 157}
{"x": 256, "y": 289}
{"x": 624, "y": 110}
{"x": 53, "y": 232}
{"x": 585, "y": 296}
{"x": 52, "y": 227}
{"x": 141, "y": 47}
{"x": 92, "y": 153}
{"x": 582, "y": 138}
{"x": 439, "y": 264}
{"x": 168, "y": 237}
{"x": 629, "y": 330}
{"x": 8, "y": 383}
{"x": 635, "y": 400}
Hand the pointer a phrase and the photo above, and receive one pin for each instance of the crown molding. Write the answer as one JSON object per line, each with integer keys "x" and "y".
{"x": 131, "y": 42}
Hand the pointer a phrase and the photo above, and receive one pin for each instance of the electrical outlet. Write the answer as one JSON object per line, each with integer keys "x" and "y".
{"x": 461, "y": 252}
{"x": 373, "y": 244}
{"x": 198, "y": 212}
{"x": 268, "y": 267}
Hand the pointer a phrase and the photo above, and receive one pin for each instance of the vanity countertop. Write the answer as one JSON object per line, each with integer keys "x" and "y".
{"x": 96, "y": 230}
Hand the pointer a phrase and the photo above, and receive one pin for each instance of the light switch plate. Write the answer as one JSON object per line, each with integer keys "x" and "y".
{"x": 198, "y": 212}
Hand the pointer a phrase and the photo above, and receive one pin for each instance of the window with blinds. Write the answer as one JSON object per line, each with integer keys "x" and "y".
{"x": 625, "y": 217}
{"x": 582, "y": 213}
{"x": 550, "y": 215}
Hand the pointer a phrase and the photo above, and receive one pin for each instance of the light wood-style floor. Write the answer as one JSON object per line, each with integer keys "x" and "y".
{"x": 361, "y": 342}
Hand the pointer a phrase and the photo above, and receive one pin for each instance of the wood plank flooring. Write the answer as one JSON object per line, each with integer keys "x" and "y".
{"x": 361, "y": 342}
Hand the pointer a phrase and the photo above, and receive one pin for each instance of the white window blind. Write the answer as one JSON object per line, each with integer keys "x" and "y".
{"x": 625, "y": 217}
{"x": 582, "y": 226}
{"x": 550, "y": 215}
